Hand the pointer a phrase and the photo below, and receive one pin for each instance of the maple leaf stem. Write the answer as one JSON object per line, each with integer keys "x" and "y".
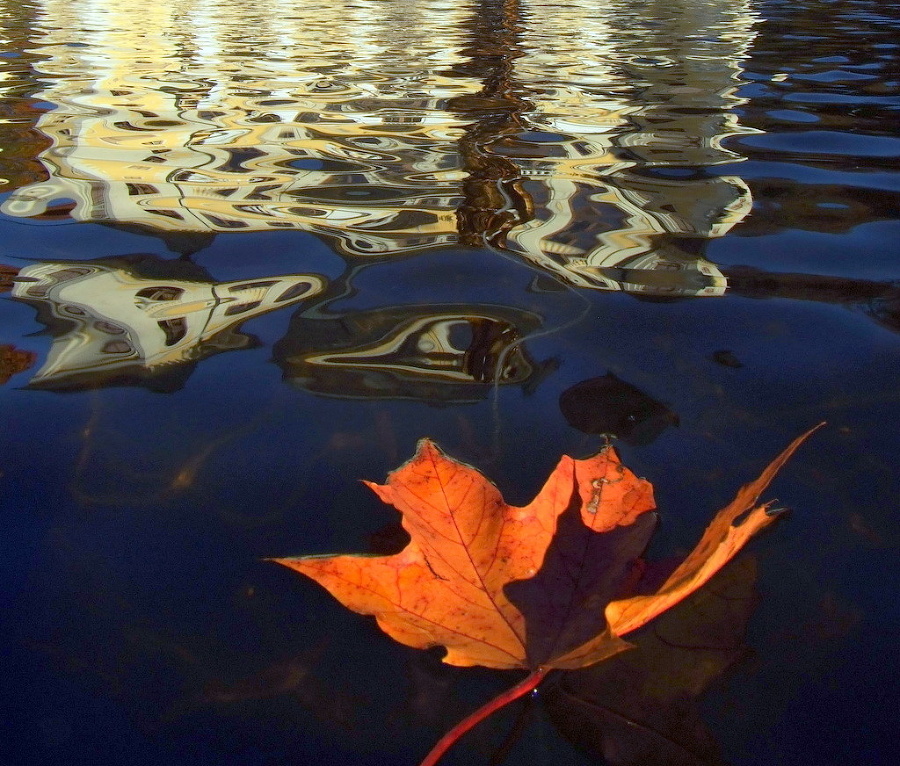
{"x": 449, "y": 739}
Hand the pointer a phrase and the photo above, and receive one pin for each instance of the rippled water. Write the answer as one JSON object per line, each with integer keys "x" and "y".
{"x": 251, "y": 252}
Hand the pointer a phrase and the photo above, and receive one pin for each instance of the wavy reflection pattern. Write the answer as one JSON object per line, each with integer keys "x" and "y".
{"x": 439, "y": 353}
{"x": 580, "y": 134}
{"x": 330, "y": 118}
{"x": 629, "y": 104}
{"x": 143, "y": 319}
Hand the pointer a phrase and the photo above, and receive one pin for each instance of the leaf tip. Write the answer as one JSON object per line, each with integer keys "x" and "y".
{"x": 285, "y": 562}
{"x": 816, "y": 427}
{"x": 427, "y": 447}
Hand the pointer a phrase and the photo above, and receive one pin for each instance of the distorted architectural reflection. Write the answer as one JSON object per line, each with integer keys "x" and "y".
{"x": 441, "y": 354}
{"x": 170, "y": 118}
{"x": 611, "y": 140}
{"x": 591, "y": 156}
{"x": 143, "y": 320}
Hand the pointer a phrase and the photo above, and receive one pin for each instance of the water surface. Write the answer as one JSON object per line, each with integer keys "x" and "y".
{"x": 252, "y": 252}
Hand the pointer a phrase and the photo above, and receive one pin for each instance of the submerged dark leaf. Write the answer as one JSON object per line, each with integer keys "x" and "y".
{"x": 608, "y": 405}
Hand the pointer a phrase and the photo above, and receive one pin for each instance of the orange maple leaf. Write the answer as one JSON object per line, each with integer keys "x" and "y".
{"x": 543, "y": 585}
{"x": 553, "y": 584}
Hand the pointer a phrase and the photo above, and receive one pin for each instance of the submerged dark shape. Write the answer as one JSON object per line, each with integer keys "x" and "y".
{"x": 727, "y": 359}
{"x": 608, "y": 405}
{"x": 639, "y": 708}
{"x": 879, "y": 300}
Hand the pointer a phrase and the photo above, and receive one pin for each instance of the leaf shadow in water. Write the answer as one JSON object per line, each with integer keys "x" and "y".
{"x": 640, "y": 707}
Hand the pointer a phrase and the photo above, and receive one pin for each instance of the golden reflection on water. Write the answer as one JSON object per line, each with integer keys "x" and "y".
{"x": 173, "y": 118}
{"x": 122, "y": 320}
{"x": 574, "y": 135}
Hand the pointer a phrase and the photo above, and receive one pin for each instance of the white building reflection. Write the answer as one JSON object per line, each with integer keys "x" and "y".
{"x": 347, "y": 120}
{"x": 115, "y": 321}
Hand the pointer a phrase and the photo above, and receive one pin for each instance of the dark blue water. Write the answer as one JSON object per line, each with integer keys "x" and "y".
{"x": 251, "y": 253}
